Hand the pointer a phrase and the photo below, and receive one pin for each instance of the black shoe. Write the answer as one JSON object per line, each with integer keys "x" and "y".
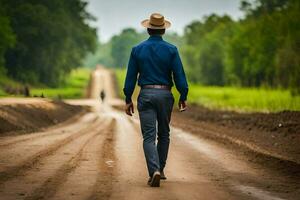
{"x": 162, "y": 175}
{"x": 154, "y": 181}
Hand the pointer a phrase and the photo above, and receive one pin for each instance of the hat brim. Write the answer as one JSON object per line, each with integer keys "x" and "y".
{"x": 146, "y": 23}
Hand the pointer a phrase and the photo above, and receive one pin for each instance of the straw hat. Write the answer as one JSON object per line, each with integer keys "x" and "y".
{"x": 156, "y": 21}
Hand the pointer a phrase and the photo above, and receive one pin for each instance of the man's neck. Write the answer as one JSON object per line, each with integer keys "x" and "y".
{"x": 156, "y": 37}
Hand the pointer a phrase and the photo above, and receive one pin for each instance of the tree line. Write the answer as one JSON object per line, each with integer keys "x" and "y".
{"x": 260, "y": 50}
{"x": 42, "y": 41}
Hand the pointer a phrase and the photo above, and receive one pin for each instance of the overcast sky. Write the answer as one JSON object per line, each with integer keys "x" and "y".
{"x": 115, "y": 15}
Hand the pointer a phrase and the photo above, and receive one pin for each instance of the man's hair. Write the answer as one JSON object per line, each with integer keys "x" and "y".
{"x": 156, "y": 31}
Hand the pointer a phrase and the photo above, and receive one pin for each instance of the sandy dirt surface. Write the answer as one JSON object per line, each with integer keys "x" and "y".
{"x": 100, "y": 156}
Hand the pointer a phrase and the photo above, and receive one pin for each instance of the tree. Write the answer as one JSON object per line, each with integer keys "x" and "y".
{"x": 204, "y": 53}
{"x": 261, "y": 49}
{"x": 52, "y": 39}
{"x": 7, "y": 37}
{"x": 122, "y": 44}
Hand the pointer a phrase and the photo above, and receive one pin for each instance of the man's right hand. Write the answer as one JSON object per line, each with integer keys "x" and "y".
{"x": 182, "y": 106}
{"x": 129, "y": 109}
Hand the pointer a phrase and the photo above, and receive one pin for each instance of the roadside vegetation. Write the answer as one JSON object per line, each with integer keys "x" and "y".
{"x": 74, "y": 86}
{"x": 4, "y": 80}
{"x": 2, "y": 93}
{"x": 232, "y": 98}
{"x": 243, "y": 99}
{"x": 41, "y": 42}
{"x": 120, "y": 75}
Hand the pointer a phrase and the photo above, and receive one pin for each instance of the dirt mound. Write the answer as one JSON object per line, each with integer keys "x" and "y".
{"x": 275, "y": 134}
{"x": 284, "y": 123}
{"x": 23, "y": 116}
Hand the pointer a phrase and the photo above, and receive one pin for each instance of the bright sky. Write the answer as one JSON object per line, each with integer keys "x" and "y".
{"x": 115, "y": 15}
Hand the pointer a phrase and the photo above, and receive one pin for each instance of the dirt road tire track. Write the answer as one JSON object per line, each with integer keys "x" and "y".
{"x": 34, "y": 159}
{"x": 104, "y": 183}
{"x": 50, "y": 186}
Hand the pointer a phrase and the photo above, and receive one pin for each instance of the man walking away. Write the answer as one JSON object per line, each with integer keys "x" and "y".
{"x": 155, "y": 62}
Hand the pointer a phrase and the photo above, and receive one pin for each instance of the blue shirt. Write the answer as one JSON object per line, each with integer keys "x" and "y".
{"x": 155, "y": 62}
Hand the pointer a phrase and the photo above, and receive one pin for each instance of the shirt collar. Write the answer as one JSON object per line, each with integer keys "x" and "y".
{"x": 155, "y": 37}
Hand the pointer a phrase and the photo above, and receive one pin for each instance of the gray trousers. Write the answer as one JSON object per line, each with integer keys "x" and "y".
{"x": 155, "y": 108}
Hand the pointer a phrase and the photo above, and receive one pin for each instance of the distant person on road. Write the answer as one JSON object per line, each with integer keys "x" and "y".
{"x": 155, "y": 62}
{"x": 26, "y": 91}
{"x": 102, "y": 95}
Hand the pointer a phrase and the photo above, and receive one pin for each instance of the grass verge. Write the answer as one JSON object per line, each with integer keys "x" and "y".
{"x": 244, "y": 99}
{"x": 120, "y": 75}
{"x": 2, "y": 93}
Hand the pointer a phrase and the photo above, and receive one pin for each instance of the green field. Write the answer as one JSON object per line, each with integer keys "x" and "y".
{"x": 243, "y": 99}
{"x": 120, "y": 75}
{"x": 2, "y": 93}
{"x": 233, "y": 98}
{"x": 74, "y": 86}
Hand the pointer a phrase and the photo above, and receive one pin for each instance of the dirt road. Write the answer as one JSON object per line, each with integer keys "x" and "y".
{"x": 100, "y": 156}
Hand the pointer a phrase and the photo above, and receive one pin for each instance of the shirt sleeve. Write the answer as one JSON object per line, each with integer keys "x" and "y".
{"x": 179, "y": 76}
{"x": 131, "y": 77}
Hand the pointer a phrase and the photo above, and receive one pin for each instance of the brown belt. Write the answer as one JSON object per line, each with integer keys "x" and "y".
{"x": 165, "y": 87}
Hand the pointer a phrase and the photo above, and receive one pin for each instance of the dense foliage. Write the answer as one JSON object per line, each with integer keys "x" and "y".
{"x": 42, "y": 41}
{"x": 260, "y": 50}
{"x": 7, "y": 38}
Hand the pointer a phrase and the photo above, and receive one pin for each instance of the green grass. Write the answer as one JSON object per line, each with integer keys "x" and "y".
{"x": 74, "y": 86}
{"x": 4, "y": 80}
{"x": 2, "y": 93}
{"x": 120, "y": 75}
{"x": 234, "y": 98}
{"x": 243, "y": 99}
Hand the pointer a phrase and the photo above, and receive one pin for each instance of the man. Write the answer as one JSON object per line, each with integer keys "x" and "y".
{"x": 155, "y": 61}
